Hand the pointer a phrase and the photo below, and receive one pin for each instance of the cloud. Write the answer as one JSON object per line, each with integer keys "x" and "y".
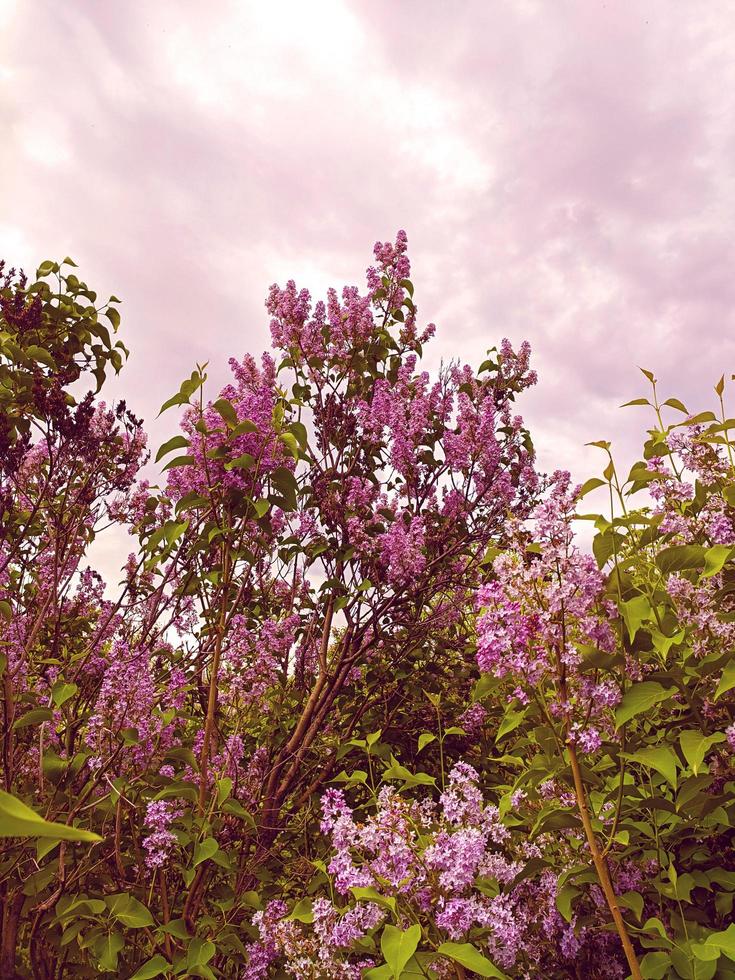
{"x": 563, "y": 171}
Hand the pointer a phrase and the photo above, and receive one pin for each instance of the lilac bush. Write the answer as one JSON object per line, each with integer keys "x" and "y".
{"x": 360, "y": 705}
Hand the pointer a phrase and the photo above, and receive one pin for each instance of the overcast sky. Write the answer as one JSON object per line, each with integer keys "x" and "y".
{"x": 564, "y": 171}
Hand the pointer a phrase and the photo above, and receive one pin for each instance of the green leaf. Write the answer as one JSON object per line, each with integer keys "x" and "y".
{"x": 727, "y": 681}
{"x": 34, "y": 717}
{"x": 604, "y": 546}
{"x": 373, "y": 895}
{"x": 177, "y": 399}
{"x": 173, "y": 530}
{"x": 633, "y": 901}
{"x": 205, "y": 850}
{"x": 397, "y": 771}
{"x": 44, "y": 847}
{"x": 18, "y": 820}
{"x": 244, "y": 462}
{"x": 398, "y": 946}
{"x": 261, "y": 507}
{"x": 107, "y": 949}
{"x": 426, "y": 739}
{"x": 6, "y": 610}
{"x": 590, "y": 485}
{"x": 695, "y": 746}
{"x": 299, "y": 430}
{"x": 701, "y": 417}
{"x": 654, "y": 924}
{"x": 234, "y": 806}
{"x": 179, "y": 461}
{"x": 655, "y": 966}
{"x": 244, "y": 427}
{"x": 564, "y": 898}
{"x": 659, "y": 757}
{"x": 470, "y": 957}
{"x": 724, "y": 941}
{"x": 640, "y": 697}
{"x": 555, "y": 820}
{"x": 635, "y": 401}
{"x": 510, "y": 722}
{"x": 285, "y": 482}
{"x": 715, "y": 558}
{"x": 176, "y": 927}
{"x": 675, "y": 403}
{"x": 185, "y": 392}
{"x": 153, "y": 967}
{"x": 61, "y": 692}
{"x": 113, "y": 316}
{"x": 705, "y": 951}
{"x": 641, "y": 474}
{"x": 128, "y": 910}
{"x": 664, "y": 643}
{"x": 302, "y": 911}
{"x": 688, "y": 967}
{"x": 227, "y": 410}
{"x": 178, "y": 442}
{"x": 41, "y": 355}
{"x": 290, "y": 440}
{"x": 680, "y": 557}
{"x": 200, "y": 952}
{"x": 382, "y": 972}
{"x": 635, "y": 612}
{"x": 224, "y": 788}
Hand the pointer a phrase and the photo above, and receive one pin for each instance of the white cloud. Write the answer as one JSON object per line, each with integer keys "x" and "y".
{"x": 44, "y": 138}
{"x": 15, "y": 247}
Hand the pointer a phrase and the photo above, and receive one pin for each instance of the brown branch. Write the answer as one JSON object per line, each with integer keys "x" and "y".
{"x": 601, "y": 867}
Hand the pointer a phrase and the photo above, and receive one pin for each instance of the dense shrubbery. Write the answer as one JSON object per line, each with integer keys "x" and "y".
{"x": 360, "y": 706}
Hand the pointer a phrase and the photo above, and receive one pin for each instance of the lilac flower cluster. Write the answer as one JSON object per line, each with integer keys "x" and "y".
{"x": 254, "y": 656}
{"x": 159, "y": 816}
{"x": 129, "y": 698}
{"x": 446, "y": 450}
{"x": 536, "y": 613}
{"x": 211, "y": 447}
{"x": 323, "y": 951}
{"x": 448, "y": 866}
{"x": 696, "y": 457}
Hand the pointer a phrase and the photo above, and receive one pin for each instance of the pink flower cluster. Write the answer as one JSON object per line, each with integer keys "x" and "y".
{"x": 254, "y": 655}
{"x": 309, "y": 954}
{"x": 537, "y": 612}
{"x": 130, "y": 699}
{"x": 212, "y": 448}
{"x": 693, "y": 458}
{"x": 159, "y": 816}
{"x": 401, "y": 459}
{"x": 429, "y": 856}
{"x": 446, "y": 866}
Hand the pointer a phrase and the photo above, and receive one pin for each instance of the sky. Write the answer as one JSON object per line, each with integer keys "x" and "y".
{"x": 564, "y": 172}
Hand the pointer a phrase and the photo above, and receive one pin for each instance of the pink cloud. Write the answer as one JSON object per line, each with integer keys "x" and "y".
{"x": 563, "y": 171}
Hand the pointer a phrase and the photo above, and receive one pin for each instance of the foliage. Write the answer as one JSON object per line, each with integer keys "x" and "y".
{"x": 360, "y": 705}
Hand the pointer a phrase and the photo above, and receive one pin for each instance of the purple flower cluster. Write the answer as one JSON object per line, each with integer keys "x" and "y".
{"x": 211, "y": 446}
{"x": 446, "y": 866}
{"x": 129, "y": 698}
{"x": 323, "y": 951}
{"x": 159, "y": 816}
{"x": 538, "y": 612}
